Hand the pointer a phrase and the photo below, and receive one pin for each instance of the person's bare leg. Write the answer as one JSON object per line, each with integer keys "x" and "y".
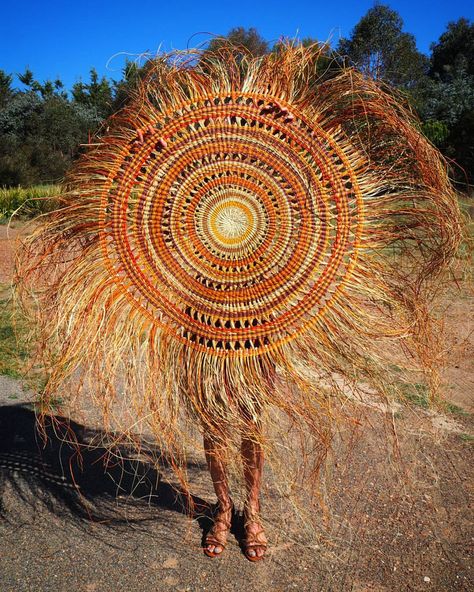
{"x": 252, "y": 457}
{"x": 215, "y": 456}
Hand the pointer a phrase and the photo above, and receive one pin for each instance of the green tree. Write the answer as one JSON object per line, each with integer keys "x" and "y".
{"x": 46, "y": 89}
{"x": 454, "y": 51}
{"x": 122, "y": 89}
{"x": 27, "y": 78}
{"x": 249, "y": 40}
{"x": 446, "y": 99}
{"x": 40, "y": 132}
{"x": 6, "y": 91}
{"x": 381, "y": 49}
{"x": 460, "y": 146}
{"x": 96, "y": 94}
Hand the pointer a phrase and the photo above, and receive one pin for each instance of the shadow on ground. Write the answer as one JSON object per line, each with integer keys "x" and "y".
{"x": 66, "y": 466}
{"x": 77, "y": 512}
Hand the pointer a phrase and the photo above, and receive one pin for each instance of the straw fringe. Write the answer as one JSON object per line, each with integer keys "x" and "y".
{"x": 403, "y": 231}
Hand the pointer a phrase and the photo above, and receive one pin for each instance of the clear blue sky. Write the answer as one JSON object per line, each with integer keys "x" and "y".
{"x": 65, "y": 39}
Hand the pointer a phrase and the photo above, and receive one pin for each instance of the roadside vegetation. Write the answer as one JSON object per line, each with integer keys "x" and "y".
{"x": 27, "y": 202}
{"x": 13, "y": 337}
{"x": 45, "y": 127}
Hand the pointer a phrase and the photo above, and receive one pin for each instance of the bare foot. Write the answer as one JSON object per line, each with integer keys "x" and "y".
{"x": 255, "y": 542}
{"x": 216, "y": 538}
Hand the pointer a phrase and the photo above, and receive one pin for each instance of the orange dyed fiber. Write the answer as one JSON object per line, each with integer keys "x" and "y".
{"x": 241, "y": 215}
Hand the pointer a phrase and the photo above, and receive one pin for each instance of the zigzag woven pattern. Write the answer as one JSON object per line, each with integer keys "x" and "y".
{"x": 232, "y": 222}
{"x": 241, "y": 219}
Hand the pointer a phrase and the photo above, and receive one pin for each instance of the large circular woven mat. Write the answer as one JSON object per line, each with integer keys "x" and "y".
{"x": 232, "y": 223}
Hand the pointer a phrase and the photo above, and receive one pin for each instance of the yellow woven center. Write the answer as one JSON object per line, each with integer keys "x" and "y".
{"x": 231, "y": 222}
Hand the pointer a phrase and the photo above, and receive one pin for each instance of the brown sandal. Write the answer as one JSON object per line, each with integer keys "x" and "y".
{"x": 254, "y": 540}
{"x": 217, "y": 535}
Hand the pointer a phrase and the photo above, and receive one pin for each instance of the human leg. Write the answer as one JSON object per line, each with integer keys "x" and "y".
{"x": 216, "y": 538}
{"x": 255, "y": 541}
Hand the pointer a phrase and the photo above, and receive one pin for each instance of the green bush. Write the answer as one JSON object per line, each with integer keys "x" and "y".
{"x": 27, "y": 202}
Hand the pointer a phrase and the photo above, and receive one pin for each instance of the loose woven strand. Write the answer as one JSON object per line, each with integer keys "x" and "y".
{"x": 240, "y": 228}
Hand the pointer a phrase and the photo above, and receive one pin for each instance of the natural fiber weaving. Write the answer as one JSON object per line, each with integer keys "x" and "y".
{"x": 241, "y": 217}
{"x": 233, "y": 224}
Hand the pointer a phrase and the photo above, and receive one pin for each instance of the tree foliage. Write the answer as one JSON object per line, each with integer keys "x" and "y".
{"x": 441, "y": 88}
{"x": 96, "y": 94}
{"x": 446, "y": 97}
{"x": 40, "y": 131}
{"x": 43, "y": 126}
{"x": 6, "y": 91}
{"x": 122, "y": 89}
{"x": 249, "y": 40}
{"x": 381, "y": 49}
{"x": 454, "y": 51}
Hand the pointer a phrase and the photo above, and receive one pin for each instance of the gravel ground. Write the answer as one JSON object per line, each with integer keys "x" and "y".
{"x": 378, "y": 534}
{"x": 389, "y": 524}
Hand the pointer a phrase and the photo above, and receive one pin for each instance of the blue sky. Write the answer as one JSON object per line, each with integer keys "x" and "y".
{"x": 65, "y": 39}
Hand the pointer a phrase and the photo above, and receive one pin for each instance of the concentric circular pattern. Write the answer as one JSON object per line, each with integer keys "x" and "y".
{"x": 232, "y": 223}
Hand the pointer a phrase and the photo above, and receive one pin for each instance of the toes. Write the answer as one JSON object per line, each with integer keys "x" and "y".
{"x": 256, "y": 552}
{"x": 213, "y": 549}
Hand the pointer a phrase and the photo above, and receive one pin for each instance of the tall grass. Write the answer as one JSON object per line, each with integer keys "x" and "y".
{"x": 27, "y": 202}
{"x": 14, "y": 348}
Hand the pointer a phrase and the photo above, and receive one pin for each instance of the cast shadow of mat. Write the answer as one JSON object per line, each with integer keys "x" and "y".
{"x": 72, "y": 473}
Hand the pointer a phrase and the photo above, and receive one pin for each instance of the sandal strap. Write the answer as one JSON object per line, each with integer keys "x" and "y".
{"x": 251, "y": 516}
{"x": 221, "y": 526}
{"x": 210, "y": 540}
{"x": 219, "y": 513}
{"x": 253, "y": 520}
{"x": 253, "y": 539}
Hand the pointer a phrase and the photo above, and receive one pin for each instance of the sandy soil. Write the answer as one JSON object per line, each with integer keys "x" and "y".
{"x": 392, "y": 523}
{"x": 9, "y": 237}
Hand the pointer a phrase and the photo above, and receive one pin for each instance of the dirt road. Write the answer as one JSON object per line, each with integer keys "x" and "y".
{"x": 390, "y": 524}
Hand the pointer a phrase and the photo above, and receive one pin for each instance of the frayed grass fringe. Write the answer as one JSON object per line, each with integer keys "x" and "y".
{"x": 95, "y": 344}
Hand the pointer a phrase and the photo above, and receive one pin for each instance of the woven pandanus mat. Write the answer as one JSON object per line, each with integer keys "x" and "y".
{"x": 232, "y": 221}
{"x": 241, "y": 219}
